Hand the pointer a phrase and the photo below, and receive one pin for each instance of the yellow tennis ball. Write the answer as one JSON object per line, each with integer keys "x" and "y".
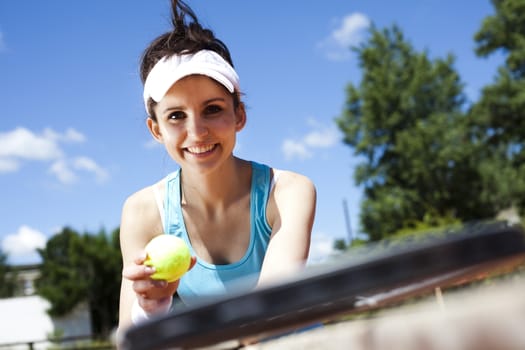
{"x": 169, "y": 255}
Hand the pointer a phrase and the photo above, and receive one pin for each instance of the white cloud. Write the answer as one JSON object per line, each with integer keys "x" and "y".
{"x": 303, "y": 148}
{"x": 24, "y": 242}
{"x": 349, "y": 32}
{"x": 322, "y": 138}
{"x": 66, "y": 171}
{"x": 89, "y": 165}
{"x": 63, "y": 172}
{"x": 22, "y": 145}
{"x": 71, "y": 135}
{"x": 295, "y": 149}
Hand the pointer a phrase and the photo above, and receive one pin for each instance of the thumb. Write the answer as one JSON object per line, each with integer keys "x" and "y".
{"x": 192, "y": 262}
{"x": 141, "y": 257}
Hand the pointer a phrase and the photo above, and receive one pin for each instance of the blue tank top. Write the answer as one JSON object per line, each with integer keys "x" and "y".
{"x": 207, "y": 280}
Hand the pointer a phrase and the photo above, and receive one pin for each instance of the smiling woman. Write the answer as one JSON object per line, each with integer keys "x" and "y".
{"x": 242, "y": 220}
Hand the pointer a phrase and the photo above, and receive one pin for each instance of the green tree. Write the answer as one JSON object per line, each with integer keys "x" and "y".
{"x": 59, "y": 282}
{"x": 499, "y": 115}
{"x": 340, "y": 245}
{"x": 406, "y": 120}
{"x": 7, "y": 278}
{"x": 104, "y": 271}
{"x": 78, "y": 268}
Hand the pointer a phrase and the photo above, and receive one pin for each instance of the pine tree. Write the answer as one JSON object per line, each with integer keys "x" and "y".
{"x": 406, "y": 120}
{"x": 499, "y": 115}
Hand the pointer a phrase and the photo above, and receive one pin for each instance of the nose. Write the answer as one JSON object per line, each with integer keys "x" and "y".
{"x": 197, "y": 127}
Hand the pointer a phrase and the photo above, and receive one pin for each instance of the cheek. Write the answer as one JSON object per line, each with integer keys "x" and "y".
{"x": 225, "y": 125}
{"x": 171, "y": 140}
{"x": 170, "y": 136}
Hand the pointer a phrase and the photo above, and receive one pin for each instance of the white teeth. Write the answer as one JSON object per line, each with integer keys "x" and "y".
{"x": 200, "y": 149}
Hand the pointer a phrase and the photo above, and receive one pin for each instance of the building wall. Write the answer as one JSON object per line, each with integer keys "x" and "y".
{"x": 24, "y": 319}
{"x": 26, "y": 276}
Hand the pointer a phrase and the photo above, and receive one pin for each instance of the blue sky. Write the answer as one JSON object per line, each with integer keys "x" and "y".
{"x": 73, "y": 142}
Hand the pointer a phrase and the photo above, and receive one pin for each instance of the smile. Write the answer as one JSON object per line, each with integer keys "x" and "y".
{"x": 201, "y": 149}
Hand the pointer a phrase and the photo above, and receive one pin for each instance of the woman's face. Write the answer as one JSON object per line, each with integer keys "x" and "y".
{"x": 197, "y": 123}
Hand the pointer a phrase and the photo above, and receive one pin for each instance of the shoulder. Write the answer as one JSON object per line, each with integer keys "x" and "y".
{"x": 144, "y": 199}
{"x": 291, "y": 213}
{"x": 291, "y": 182}
{"x": 140, "y": 219}
{"x": 293, "y": 196}
{"x": 140, "y": 200}
{"x": 286, "y": 182}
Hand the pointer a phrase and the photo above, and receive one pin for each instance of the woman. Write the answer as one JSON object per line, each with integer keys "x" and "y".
{"x": 242, "y": 220}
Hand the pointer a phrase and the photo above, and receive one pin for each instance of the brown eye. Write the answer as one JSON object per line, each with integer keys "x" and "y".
{"x": 176, "y": 115}
{"x": 212, "y": 109}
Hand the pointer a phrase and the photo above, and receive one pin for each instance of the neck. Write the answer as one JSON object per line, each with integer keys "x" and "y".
{"x": 218, "y": 188}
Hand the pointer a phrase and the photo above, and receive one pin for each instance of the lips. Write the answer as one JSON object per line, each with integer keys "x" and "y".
{"x": 200, "y": 149}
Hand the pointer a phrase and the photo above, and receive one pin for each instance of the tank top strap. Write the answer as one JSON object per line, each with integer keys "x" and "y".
{"x": 261, "y": 187}
{"x": 174, "y": 221}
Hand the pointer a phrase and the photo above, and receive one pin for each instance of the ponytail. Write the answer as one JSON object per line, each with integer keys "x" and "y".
{"x": 185, "y": 37}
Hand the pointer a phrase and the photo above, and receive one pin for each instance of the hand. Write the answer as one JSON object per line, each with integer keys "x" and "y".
{"x": 153, "y": 296}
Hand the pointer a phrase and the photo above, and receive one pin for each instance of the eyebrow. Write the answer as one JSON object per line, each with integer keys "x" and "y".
{"x": 206, "y": 102}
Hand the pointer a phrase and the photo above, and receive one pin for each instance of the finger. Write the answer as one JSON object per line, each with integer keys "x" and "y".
{"x": 154, "y": 288}
{"x": 141, "y": 257}
{"x": 145, "y": 287}
{"x": 192, "y": 262}
{"x": 159, "y": 283}
{"x": 137, "y": 272}
{"x": 149, "y": 292}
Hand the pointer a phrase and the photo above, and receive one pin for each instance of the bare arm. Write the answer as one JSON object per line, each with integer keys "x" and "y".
{"x": 291, "y": 211}
{"x": 139, "y": 224}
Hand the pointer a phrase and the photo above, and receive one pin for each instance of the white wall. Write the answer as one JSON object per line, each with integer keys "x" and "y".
{"x": 24, "y": 319}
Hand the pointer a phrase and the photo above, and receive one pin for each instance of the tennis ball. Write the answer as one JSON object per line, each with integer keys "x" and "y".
{"x": 169, "y": 255}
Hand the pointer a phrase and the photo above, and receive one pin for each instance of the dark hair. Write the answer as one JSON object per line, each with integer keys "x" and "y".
{"x": 184, "y": 38}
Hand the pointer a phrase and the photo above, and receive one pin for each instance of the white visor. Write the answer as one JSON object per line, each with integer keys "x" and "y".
{"x": 169, "y": 70}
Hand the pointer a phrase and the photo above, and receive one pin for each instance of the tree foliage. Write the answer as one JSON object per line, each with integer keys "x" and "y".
{"x": 499, "y": 115}
{"x": 405, "y": 119}
{"x": 428, "y": 157}
{"x": 7, "y": 278}
{"x": 77, "y": 268}
{"x": 505, "y": 31}
{"x": 59, "y": 282}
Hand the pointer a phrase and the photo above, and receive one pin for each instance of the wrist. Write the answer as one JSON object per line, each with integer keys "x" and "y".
{"x": 138, "y": 314}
